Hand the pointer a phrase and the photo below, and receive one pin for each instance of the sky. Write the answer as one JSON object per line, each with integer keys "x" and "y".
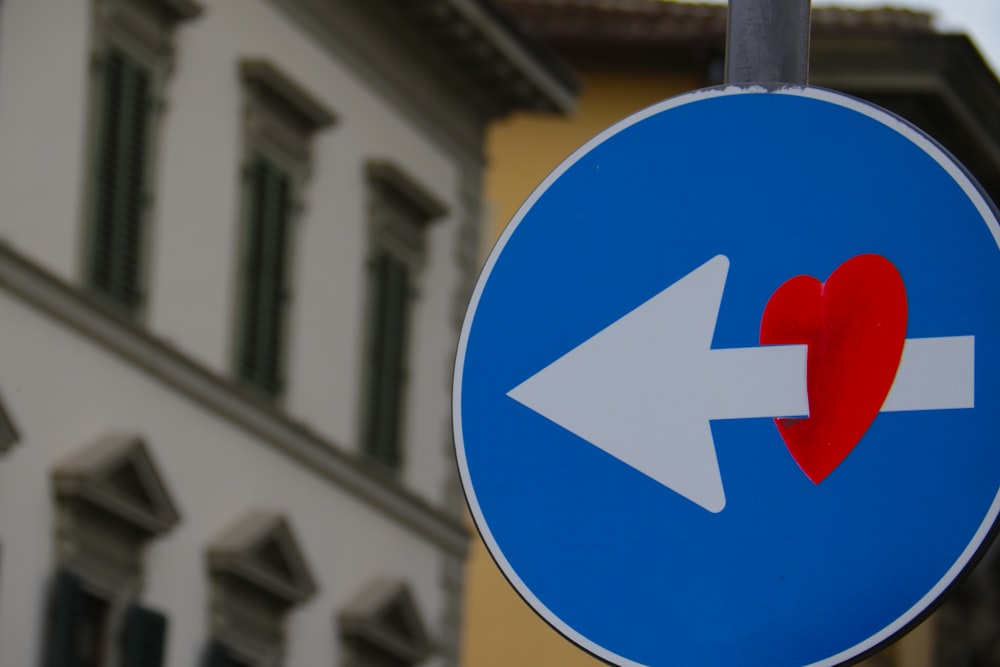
{"x": 979, "y": 18}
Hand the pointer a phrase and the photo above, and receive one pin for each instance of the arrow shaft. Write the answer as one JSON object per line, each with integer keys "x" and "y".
{"x": 748, "y": 382}
{"x": 934, "y": 374}
{"x": 770, "y": 381}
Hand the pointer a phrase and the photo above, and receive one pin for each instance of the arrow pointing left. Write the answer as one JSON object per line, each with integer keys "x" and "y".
{"x": 645, "y": 388}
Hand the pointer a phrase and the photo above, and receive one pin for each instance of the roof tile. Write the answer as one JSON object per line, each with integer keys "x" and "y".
{"x": 663, "y": 23}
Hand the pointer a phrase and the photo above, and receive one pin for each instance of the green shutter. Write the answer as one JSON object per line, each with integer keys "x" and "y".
{"x": 144, "y": 638}
{"x": 390, "y": 298}
{"x": 120, "y": 197}
{"x": 265, "y": 289}
{"x": 64, "y": 621}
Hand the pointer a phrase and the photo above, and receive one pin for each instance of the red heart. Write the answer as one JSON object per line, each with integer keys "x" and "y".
{"x": 855, "y": 327}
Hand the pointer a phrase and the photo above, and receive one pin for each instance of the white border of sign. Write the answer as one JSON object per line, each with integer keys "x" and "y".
{"x": 929, "y": 146}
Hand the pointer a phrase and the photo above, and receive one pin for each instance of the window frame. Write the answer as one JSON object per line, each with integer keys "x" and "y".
{"x": 143, "y": 34}
{"x": 399, "y": 213}
{"x": 258, "y": 574}
{"x": 280, "y": 120}
{"x": 271, "y": 388}
{"x": 109, "y": 633}
{"x": 387, "y": 355}
{"x": 111, "y": 501}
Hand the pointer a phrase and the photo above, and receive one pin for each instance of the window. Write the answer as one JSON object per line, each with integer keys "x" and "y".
{"x": 269, "y": 200}
{"x": 258, "y": 575}
{"x": 400, "y": 212}
{"x": 120, "y": 188}
{"x": 391, "y": 287}
{"x": 280, "y": 121}
{"x": 132, "y": 58}
{"x": 144, "y": 638}
{"x": 81, "y": 634}
{"x": 218, "y": 655}
{"x": 111, "y": 502}
{"x": 79, "y": 626}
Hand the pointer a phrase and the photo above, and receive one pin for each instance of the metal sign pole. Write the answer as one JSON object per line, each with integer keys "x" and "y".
{"x": 767, "y": 41}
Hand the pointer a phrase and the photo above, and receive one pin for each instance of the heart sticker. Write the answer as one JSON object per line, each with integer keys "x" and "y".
{"x": 854, "y": 325}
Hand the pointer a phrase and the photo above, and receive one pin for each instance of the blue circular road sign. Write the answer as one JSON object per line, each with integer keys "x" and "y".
{"x": 727, "y": 388}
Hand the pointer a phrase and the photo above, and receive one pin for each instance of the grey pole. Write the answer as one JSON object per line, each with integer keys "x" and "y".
{"x": 767, "y": 41}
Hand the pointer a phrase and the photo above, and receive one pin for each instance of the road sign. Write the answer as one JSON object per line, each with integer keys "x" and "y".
{"x": 727, "y": 387}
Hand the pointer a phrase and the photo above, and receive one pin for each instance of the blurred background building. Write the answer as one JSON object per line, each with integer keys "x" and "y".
{"x": 238, "y": 239}
{"x": 630, "y": 54}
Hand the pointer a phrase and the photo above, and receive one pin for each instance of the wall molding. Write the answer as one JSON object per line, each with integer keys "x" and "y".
{"x": 49, "y": 294}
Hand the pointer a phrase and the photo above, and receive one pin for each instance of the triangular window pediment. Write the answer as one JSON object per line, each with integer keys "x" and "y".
{"x": 261, "y": 549}
{"x": 117, "y": 474}
{"x": 129, "y": 485}
{"x": 271, "y": 557}
{"x": 395, "y": 620}
{"x": 385, "y": 617}
{"x": 258, "y": 574}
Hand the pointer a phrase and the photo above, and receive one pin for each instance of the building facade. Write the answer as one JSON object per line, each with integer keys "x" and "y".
{"x": 633, "y": 53}
{"x": 238, "y": 240}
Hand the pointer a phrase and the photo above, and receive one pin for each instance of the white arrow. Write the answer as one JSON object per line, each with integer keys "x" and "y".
{"x": 645, "y": 388}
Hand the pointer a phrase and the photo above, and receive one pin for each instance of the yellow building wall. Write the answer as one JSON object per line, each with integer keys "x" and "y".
{"x": 524, "y": 148}
{"x": 501, "y": 630}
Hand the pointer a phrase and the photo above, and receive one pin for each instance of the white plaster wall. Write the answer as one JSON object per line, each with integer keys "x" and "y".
{"x": 44, "y": 65}
{"x": 429, "y": 461}
{"x": 65, "y": 391}
{"x": 195, "y": 226}
{"x": 195, "y": 253}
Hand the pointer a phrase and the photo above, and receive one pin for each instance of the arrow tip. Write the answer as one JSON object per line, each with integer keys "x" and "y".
{"x": 619, "y": 391}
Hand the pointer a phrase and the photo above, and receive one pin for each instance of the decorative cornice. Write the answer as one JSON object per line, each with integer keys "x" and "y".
{"x": 662, "y": 24}
{"x": 266, "y": 79}
{"x": 451, "y": 64}
{"x": 388, "y": 174}
{"x": 50, "y": 294}
{"x": 494, "y": 53}
{"x": 151, "y": 23}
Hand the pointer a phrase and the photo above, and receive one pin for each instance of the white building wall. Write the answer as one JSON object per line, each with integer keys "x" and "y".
{"x": 43, "y": 75}
{"x": 195, "y": 221}
{"x": 71, "y": 373}
{"x": 215, "y": 471}
{"x": 192, "y": 301}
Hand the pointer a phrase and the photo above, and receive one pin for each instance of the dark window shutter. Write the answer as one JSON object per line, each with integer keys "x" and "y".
{"x": 217, "y": 655}
{"x": 144, "y": 638}
{"x": 390, "y": 298}
{"x": 265, "y": 282}
{"x": 66, "y": 611}
{"x": 120, "y": 197}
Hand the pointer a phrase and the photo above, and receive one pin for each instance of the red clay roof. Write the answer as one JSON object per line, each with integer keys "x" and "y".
{"x": 660, "y": 22}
